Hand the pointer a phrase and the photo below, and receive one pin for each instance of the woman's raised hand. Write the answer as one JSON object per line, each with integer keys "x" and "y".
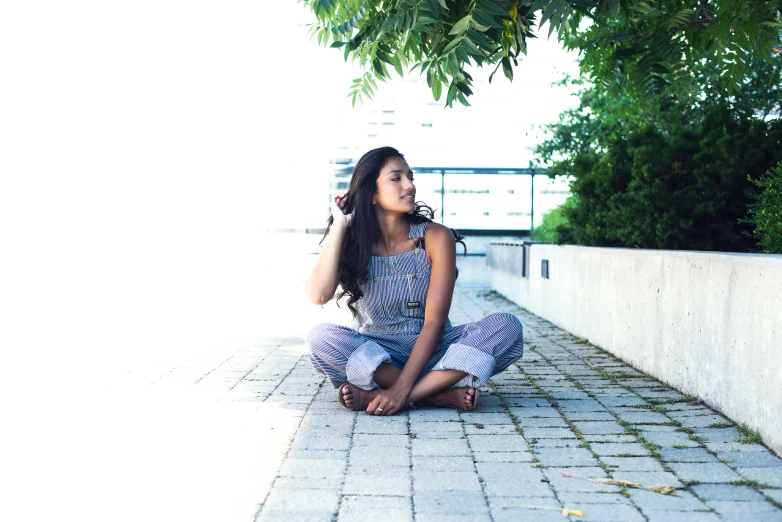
{"x": 337, "y": 211}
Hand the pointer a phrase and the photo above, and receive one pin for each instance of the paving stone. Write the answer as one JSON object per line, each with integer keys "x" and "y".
{"x": 449, "y": 517}
{"x": 659, "y": 428}
{"x": 599, "y": 428}
{"x": 359, "y": 509}
{"x": 589, "y": 416}
{"x": 680, "y": 516}
{"x": 610, "y": 438}
{"x": 502, "y": 456}
{"x": 318, "y": 454}
{"x": 610, "y": 402}
{"x": 392, "y": 482}
{"x": 554, "y": 443}
{"x": 566, "y": 483}
{"x": 381, "y": 429}
{"x": 523, "y": 413}
{"x": 442, "y": 464}
{"x": 718, "y": 447}
{"x": 511, "y": 502}
{"x": 418, "y": 426}
{"x": 275, "y": 515}
{"x": 750, "y": 459}
{"x": 433, "y": 414}
{"x": 511, "y": 471}
{"x": 747, "y": 511}
{"x": 556, "y": 457}
{"x": 490, "y": 429}
{"x": 706, "y": 473}
{"x": 703, "y": 421}
{"x": 770, "y": 476}
{"x": 437, "y": 435}
{"x": 333, "y": 431}
{"x": 610, "y": 449}
{"x": 497, "y": 443}
{"x": 292, "y": 500}
{"x": 446, "y": 481}
{"x": 544, "y": 422}
{"x": 321, "y": 443}
{"x": 497, "y": 486}
{"x": 313, "y": 468}
{"x": 728, "y": 492}
{"x": 580, "y": 405}
{"x": 686, "y": 455}
{"x": 611, "y": 512}
{"x": 312, "y": 420}
{"x": 775, "y": 494}
{"x": 717, "y": 434}
{"x": 514, "y": 508}
{"x": 632, "y": 463}
{"x": 549, "y": 433}
{"x": 486, "y": 418}
{"x": 447, "y": 448}
{"x": 669, "y": 439}
{"x": 451, "y": 503}
{"x": 649, "y": 478}
{"x": 574, "y": 499}
{"x": 526, "y": 402}
{"x": 330, "y": 483}
{"x": 571, "y": 394}
{"x": 653, "y": 501}
{"x": 679, "y": 411}
{"x": 362, "y": 458}
{"x": 644, "y": 417}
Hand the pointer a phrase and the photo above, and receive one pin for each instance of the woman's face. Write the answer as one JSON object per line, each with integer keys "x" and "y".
{"x": 395, "y": 190}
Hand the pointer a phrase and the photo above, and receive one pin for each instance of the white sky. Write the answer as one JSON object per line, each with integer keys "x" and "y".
{"x": 145, "y": 145}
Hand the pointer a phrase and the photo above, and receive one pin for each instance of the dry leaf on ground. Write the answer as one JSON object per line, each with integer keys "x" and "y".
{"x": 664, "y": 490}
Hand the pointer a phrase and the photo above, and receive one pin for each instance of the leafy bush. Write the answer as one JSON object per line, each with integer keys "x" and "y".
{"x": 766, "y": 212}
{"x": 553, "y": 221}
{"x": 671, "y": 175}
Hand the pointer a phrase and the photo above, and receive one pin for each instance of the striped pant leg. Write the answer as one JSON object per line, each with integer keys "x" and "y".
{"x": 485, "y": 348}
{"x": 344, "y": 355}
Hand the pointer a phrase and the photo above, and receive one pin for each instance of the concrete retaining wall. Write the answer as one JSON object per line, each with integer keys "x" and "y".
{"x": 709, "y": 324}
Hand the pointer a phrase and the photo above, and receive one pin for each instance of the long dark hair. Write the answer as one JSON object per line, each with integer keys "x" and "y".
{"x": 360, "y": 237}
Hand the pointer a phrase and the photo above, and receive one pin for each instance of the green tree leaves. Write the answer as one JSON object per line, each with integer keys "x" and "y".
{"x": 647, "y": 46}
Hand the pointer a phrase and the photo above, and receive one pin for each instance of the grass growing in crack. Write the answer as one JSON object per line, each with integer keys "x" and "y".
{"x": 624, "y": 491}
{"x": 695, "y": 438}
{"x": 674, "y": 400}
{"x": 689, "y": 483}
{"x": 629, "y": 428}
{"x": 651, "y": 407}
{"x": 653, "y": 449}
{"x": 680, "y": 446}
{"x": 720, "y": 425}
{"x": 748, "y": 435}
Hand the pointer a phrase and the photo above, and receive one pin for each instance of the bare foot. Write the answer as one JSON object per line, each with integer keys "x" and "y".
{"x": 464, "y": 398}
{"x": 354, "y": 398}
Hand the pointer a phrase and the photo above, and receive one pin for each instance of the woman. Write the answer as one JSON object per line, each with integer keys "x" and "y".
{"x": 398, "y": 269}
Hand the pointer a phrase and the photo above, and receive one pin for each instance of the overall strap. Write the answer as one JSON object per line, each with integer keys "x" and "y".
{"x": 417, "y": 232}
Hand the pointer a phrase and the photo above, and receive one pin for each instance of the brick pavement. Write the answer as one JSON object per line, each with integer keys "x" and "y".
{"x": 566, "y": 413}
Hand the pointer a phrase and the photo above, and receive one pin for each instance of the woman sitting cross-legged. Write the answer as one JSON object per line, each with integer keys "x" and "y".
{"x": 398, "y": 269}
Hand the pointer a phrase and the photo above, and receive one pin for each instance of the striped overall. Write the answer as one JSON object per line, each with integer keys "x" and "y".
{"x": 391, "y": 316}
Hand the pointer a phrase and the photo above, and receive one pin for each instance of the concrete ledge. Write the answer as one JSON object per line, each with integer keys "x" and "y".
{"x": 709, "y": 324}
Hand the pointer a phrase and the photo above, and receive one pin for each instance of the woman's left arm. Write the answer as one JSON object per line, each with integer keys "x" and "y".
{"x": 441, "y": 250}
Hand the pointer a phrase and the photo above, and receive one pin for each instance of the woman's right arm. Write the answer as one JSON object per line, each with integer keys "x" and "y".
{"x": 322, "y": 282}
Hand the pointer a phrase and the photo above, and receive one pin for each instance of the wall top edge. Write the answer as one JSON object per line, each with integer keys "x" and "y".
{"x": 743, "y": 256}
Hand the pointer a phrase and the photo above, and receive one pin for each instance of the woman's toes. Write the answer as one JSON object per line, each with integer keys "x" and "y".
{"x": 347, "y": 395}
